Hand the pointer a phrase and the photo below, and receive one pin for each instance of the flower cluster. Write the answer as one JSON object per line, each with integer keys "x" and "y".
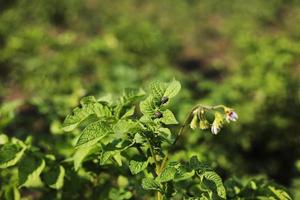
{"x": 199, "y": 117}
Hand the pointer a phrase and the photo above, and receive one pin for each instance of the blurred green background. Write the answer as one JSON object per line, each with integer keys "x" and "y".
{"x": 239, "y": 53}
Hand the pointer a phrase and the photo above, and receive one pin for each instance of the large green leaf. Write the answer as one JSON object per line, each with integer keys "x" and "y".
{"x": 148, "y": 106}
{"x": 54, "y": 177}
{"x": 11, "y": 153}
{"x": 82, "y": 113}
{"x": 93, "y": 133}
{"x": 172, "y": 89}
{"x": 30, "y": 169}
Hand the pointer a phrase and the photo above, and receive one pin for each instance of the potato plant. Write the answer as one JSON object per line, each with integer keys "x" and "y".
{"x": 123, "y": 149}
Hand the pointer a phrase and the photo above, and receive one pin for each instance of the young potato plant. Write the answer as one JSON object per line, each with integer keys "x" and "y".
{"x": 122, "y": 151}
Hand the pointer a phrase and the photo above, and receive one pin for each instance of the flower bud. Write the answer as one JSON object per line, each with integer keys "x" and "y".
{"x": 194, "y": 122}
{"x": 231, "y": 116}
{"x": 204, "y": 124}
{"x": 217, "y": 124}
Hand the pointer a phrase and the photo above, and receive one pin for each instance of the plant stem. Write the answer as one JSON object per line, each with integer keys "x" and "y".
{"x": 153, "y": 156}
{"x": 182, "y": 129}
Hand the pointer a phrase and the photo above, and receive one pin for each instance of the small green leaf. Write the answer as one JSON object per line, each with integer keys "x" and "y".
{"x": 55, "y": 177}
{"x": 130, "y": 95}
{"x": 167, "y": 174}
{"x": 129, "y": 112}
{"x": 137, "y": 166}
{"x": 30, "y": 169}
{"x": 10, "y": 154}
{"x": 279, "y": 193}
{"x": 168, "y": 118}
{"x": 87, "y": 100}
{"x": 93, "y": 133}
{"x": 183, "y": 174}
{"x": 172, "y": 89}
{"x": 219, "y": 188}
{"x": 151, "y": 184}
{"x": 3, "y": 139}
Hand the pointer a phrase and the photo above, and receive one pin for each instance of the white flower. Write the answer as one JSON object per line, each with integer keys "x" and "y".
{"x": 231, "y": 116}
{"x": 215, "y": 128}
{"x": 217, "y": 124}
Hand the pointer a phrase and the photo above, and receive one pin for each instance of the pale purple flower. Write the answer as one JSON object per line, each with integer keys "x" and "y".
{"x": 231, "y": 116}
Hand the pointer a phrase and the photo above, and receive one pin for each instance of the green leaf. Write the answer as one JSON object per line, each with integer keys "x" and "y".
{"x": 166, "y": 134}
{"x": 151, "y": 184}
{"x": 80, "y": 154}
{"x": 157, "y": 90}
{"x": 113, "y": 150}
{"x": 218, "y": 187}
{"x": 93, "y": 133}
{"x": 55, "y": 177}
{"x": 119, "y": 194}
{"x": 12, "y": 193}
{"x": 183, "y": 175}
{"x": 137, "y": 166}
{"x": 168, "y": 118}
{"x": 80, "y": 114}
{"x": 30, "y": 169}
{"x": 123, "y": 127}
{"x": 130, "y": 95}
{"x": 129, "y": 112}
{"x": 87, "y": 100}
{"x": 279, "y": 193}
{"x": 11, "y": 153}
{"x": 167, "y": 174}
{"x": 148, "y": 106}
{"x": 3, "y": 139}
{"x": 172, "y": 89}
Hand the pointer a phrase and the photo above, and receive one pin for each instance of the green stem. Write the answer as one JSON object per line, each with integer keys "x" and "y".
{"x": 183, "y": 127}
{"x": 180, "y": 132}
{"x": 153, "y": 156}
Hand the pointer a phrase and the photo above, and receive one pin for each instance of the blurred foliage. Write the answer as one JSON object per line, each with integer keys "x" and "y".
{"x": 244, "y": 55}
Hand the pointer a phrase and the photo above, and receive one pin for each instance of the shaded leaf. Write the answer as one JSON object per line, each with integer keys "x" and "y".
{"x": 55, "y": 177}
{"x": 30, "y": 169}
{"x": 279, "y": 193}
{"x": 11, "y": 153}
{"x": 151, "y": 184}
